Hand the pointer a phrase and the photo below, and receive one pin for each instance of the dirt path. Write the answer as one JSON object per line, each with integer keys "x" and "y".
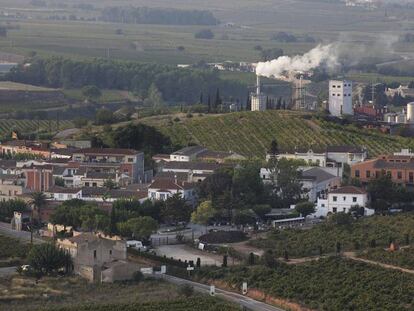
{"x": 352, "y": 255}
{"x": 349, "y": 255}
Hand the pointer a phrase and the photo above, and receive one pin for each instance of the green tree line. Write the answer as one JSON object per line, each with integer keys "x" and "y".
{"x": 175, "y": 84}
{"x": 162, "y": 16}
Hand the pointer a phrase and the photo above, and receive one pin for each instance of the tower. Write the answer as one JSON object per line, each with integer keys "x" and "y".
{"x": 258, "y": 99}
{"x": 340, "y": 98}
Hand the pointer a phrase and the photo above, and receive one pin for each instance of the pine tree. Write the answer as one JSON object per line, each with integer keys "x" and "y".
{"x": 217, "y": 102}
{"x": 209, "y": 104}
{"x": 113, "y": 228}
{"x": 248, "y": 103}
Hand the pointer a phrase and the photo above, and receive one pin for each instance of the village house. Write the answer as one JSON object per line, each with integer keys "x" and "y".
{"x": 399, "y": 167}
{"x": 198, "y": 153}
{"x": 109, "y": 160}
{"x": 317, "y": 183}
{"x": 332, "y": 156}
{"x": 38, "y": 177}
{"x": 163, "y": 188}
{"x": 95, "y": 256}
{"x": 14, "y": 147}
{"x": 342, "y": 200}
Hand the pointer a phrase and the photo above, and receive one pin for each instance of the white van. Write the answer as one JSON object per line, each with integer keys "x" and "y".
{"x": 137, "y": 245}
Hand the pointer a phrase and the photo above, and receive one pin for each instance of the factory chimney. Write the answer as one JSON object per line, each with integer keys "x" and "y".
{"x": 258, "y": 91}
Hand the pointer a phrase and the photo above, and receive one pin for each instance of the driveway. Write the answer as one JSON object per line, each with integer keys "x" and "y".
{"x": 185, "y": 252}
{"x": 7, "y": 271}
{"x": 5, "y": 229}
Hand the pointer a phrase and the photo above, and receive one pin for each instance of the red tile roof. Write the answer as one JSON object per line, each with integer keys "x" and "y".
{"x": 170, "y": 184}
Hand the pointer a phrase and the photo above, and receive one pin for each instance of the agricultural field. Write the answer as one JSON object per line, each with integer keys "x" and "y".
{"x": 76, "y": 294}
{"x": 355, "y": 236}
{"x": 108, "y": 96}
{"x": 250, "y": 133}
{"x": 32, "y": 126}
{"x": 332, "y": 284}
{"x": 403, "y": 257}
{"x": 12, "y": 248}
{"x": 244, "y": 25}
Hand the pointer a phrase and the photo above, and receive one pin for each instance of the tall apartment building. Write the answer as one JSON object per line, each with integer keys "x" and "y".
{"x": 340, "y": 98}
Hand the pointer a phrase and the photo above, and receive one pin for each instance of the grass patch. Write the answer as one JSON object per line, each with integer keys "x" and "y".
{"x": 12, "y": 248}
{"x": 108, "y": 96}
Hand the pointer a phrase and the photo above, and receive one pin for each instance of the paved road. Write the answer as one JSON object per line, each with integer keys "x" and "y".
{"x": 184, "y": 252}
{"x": 7, "y": 271}
{"x": 244, "y": 301}
{"x": 6, "y": 229}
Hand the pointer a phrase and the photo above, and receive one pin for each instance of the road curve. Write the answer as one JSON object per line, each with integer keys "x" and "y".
{"x": 244, "y": 301}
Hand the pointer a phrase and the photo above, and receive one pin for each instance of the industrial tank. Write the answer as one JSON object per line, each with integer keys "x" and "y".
{"x": 410, "y": 112}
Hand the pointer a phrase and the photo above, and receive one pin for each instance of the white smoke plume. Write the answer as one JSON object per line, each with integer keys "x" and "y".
{"x": 321, "y": 54}
{"x": 347, "y": 51}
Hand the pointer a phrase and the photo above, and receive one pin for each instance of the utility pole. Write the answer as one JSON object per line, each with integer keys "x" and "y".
{"x": 373, "y": 94}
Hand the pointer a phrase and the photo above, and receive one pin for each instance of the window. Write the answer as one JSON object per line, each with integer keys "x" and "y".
{"x": 344, "y": 199}
{"x": 264, "y": 176}
{"x": 110, "y": 252}
{"x": 94, "y": 184}
{"x": 411, "y": 177}
{"x": 354, "y": 199}
{"x": 357, "y": 173}
{"x": 344, "y": 209}
{"x": 334, "y": 209}
{"x": 335, "y": 198}
{"x": 130, "y": 160}
{"x": 86, "y": 184}
{"x": 70, "y": 196}
{"x": 399, "y": 175}
{"x": 94, "y": 254}
{"x": 368, "y": 174}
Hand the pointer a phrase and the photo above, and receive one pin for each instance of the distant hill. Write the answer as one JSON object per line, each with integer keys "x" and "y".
{"x": 250, "y": 133}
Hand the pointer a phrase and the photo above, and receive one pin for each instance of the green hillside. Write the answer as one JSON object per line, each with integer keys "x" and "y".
{"x": 250, "y": 133}
{"x": 29, "y": 126}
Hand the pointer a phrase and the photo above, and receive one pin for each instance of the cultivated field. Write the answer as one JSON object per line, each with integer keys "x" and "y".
{"x": 30, "y": 126}
{"x": 245, "y": 24}
{"x": 250, "y": 133}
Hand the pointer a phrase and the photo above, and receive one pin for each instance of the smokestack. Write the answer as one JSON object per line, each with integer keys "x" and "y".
{"x": 258, "y": 85}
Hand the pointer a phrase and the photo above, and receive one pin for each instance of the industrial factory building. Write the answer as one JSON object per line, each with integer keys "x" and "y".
{"x": 340, "y": 98}
{"x": 258, "y": 98}
{"x": 406, "y": 116}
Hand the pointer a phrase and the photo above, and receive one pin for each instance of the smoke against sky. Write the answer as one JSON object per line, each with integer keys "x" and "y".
{"x": 330, "y": 56}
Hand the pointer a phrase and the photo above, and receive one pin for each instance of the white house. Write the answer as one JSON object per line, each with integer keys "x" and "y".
{"x": 341, "y": 200}
{"x": 163, "y": 188}
{"x": 187, "y": 154}
{"x": 318, "y": 183}
{"x": 64, "y": 194}
{"x": 346, "y": 154}
{"x": 311, "y": 157}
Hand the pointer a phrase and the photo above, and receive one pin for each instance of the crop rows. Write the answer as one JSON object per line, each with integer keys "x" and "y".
{"x": 251, "y": 133}
{"x": 29, "y": 126}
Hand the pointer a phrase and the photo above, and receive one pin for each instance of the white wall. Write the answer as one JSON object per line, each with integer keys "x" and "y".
{"x": 340, "y": 98}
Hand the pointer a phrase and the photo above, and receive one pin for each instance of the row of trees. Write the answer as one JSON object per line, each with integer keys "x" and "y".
{"x": 174, "y": 84}
{"x": 163, "y": 16}
{"x": 127, "y": 217}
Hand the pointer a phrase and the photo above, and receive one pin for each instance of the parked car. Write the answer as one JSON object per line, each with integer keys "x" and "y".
{"x": 138, "y": 245}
